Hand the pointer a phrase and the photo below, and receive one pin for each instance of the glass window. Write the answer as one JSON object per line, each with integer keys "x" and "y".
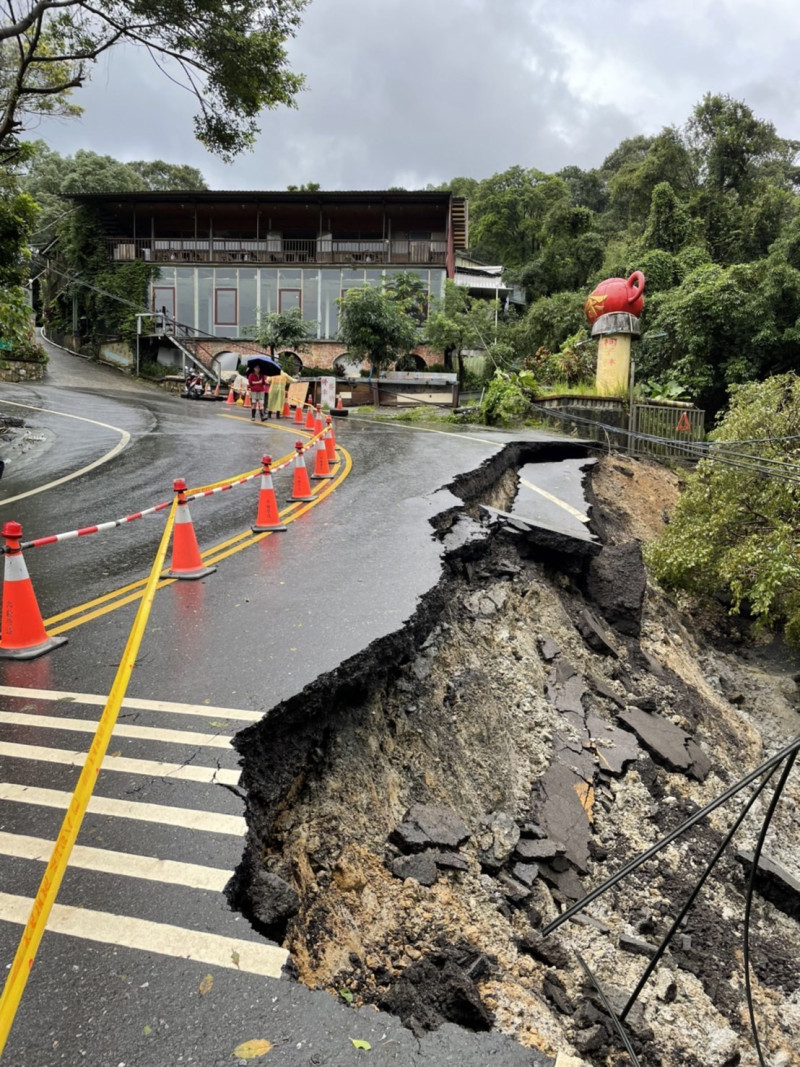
{"x": 331, "y": 288}
{"x": 269, "y": 291}
{"x": 289, "y": 298}
{"x": 437, "y": 283}
{"x": 311, "y": 295}
{"x": 185, "y": 288}
{"x": 225, "y": 307}
{"x": 352, "y": 279}
{"x": 247, "y": 297}
{"x": 290, "y": 279}
{"x": 204, "y": 295}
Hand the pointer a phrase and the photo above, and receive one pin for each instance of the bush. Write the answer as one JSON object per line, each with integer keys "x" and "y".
{"x": 508, "y": 399}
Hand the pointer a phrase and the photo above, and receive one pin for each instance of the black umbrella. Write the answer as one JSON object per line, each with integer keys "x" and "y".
{"x": 268, "y": 366}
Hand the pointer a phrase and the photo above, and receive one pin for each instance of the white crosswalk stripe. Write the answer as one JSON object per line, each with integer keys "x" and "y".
{"x": 189, "y": 818}
{"x": 122, "y": 729}
{"x": 185, "y": 772}
{"x": 134, "y": 703}
{"x": 253, "y": 956}
{"x": 104, "y": 896}
{"x": 110, "y": 862}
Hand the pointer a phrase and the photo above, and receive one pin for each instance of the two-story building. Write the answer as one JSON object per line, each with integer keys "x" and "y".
{"x": 224, "y": 258}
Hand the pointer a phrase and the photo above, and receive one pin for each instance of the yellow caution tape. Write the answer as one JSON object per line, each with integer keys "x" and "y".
{"x": 51, "y": 881}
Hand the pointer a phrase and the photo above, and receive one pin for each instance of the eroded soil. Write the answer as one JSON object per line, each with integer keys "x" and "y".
{"x": 419, "y": 815}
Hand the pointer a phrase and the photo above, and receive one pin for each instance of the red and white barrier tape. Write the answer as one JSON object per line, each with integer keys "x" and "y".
{"x": 70, "y": 535}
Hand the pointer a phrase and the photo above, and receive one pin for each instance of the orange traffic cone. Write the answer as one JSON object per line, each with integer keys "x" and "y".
{"x": 321, "y": 467}
{"x": 216, "y": 390}
{"x": 330, "y": 443}
{"x": 331, "y": 434}
{"x": 298, "y": 414}
{"x": 319, "y": 426}
{"x": 339, "y": 404}
{"x": 246, "y": 399}
{"x": 186, "y": 559}
{"x": 310, "y": 414}
{"x": 231, "y": 398}
{"x": 23, "y": 633}
{"x": 287, "y": 411}
{"x": 301, "y": 486}
{"x": 267, "y": 517}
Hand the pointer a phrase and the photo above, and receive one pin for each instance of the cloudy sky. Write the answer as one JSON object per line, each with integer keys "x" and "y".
{"x": 406, "y": 92}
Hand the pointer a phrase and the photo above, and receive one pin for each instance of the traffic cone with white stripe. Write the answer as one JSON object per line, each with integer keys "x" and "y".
{"x": 332, "y": 436}
{"x": 301, "y": 486}
{"x": 231, "y": 397}
{"x": 298, "y": 414}
{"x": 321, "y": 468}
{"x": 339, "y": 404}
{"x": 319, "y": 426}
{"x": 310, "y": 416}
{"x": 330, "y": 443}
{"x": 267, "y": 517}
{"x": 186, "y": 559}
{"x": 23, "y": 633}
{"x": 246, "y": 403}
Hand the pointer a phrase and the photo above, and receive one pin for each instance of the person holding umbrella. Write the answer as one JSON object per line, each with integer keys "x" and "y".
{"x": 258, "y": 388}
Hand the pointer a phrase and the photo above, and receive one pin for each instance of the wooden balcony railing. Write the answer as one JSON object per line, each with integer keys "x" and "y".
{"x": 277, "y": 250}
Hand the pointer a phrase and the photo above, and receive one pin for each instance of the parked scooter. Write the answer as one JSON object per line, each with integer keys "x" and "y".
{"x": 195, "y": 386}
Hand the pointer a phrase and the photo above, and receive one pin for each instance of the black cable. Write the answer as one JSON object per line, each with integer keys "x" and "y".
{"x": 604, "y": 1001}
{"x": 749, "y": 899}
{"x": 662, "y": 948}
{"x": 643, "y": 857}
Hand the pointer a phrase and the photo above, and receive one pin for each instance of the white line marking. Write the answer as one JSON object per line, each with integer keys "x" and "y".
{"x": 185, "y": 772}
{"x": 129, "y": 865}
{"x": 162, "y": 814}
{"x": 142, "y": 733}
{"x": 555, "y": 500}
{"x": 254, "y": 957}
{"x": 134, "y": 703}
{"x": 124, "y": 439}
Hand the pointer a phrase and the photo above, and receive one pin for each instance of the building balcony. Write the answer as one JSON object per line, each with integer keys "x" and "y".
{"x": 325, "y": 250}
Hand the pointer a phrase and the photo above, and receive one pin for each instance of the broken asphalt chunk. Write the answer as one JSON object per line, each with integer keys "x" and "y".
{"x": 666, "y": 742}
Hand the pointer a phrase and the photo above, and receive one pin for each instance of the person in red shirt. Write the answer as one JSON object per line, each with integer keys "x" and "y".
{"x": 258, "y": 390}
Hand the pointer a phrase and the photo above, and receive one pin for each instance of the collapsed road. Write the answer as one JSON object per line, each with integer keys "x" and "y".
{"x": 417, "y": 815}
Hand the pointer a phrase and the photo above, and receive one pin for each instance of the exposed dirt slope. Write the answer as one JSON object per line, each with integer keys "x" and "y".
{"x": 419, "y": 815}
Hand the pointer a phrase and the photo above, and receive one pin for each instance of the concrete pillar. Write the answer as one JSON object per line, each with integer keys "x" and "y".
{"x": 614, "y": 332}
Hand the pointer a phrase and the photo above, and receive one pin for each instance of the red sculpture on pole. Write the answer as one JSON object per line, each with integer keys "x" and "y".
{"x": 617, "y": 294}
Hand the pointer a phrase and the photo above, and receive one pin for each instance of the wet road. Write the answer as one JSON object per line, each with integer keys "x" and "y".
{"x": 272, "y": 618}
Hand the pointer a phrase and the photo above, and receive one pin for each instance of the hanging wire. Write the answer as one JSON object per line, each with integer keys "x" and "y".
{"x": 749, "y": 899}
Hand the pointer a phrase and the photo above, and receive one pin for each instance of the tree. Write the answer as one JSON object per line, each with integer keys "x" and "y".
{"x": 159, "y": 176}
{"x": 459, "y": 321}
{"x": 374, "y": 327}
{"x": 736, "y": 528}
{"x": 17, "y": 220}
{"x": 229, "y": 56}
{"x": 284, "y": 329}
{"x": 509, "y": 212}
{"x": 732, "y": 146}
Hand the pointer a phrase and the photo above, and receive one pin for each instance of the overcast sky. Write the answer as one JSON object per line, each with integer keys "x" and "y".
{"x": 406, "y": 92}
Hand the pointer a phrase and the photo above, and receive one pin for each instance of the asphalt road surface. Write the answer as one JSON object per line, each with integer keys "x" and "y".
{"x": 143, "y": 963}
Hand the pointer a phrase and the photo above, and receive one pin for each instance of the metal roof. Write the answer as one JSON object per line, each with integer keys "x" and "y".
{"x": 234, "y": 195}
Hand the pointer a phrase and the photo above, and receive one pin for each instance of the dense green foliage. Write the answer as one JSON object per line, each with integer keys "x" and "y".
{"x": 282, "y": 330}
{"x": 18, "y": 212}
{"x": 375, "y": 326}
{"x": 709, "y": 212}
{"x": 735, "y": 531}
{"x": 508, "y": 398}
{"x": 231, "y": 57}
